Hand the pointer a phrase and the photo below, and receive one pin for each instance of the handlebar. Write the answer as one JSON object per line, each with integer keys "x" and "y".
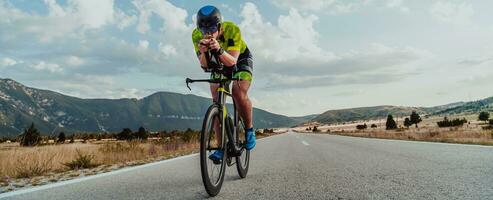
{"x": 188, "y": 81}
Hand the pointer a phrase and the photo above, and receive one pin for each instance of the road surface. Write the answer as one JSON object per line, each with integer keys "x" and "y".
{"x": 305, "y": 166}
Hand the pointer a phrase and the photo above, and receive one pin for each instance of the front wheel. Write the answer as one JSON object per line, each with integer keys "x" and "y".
{"x": 212, "y": 174}
{"x": 242, "y": 161}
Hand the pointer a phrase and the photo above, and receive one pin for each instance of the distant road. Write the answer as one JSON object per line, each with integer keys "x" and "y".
{"x": 307, "y": 166}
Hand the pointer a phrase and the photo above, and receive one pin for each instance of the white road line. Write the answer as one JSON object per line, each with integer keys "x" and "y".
{"x": 305, "y": 143}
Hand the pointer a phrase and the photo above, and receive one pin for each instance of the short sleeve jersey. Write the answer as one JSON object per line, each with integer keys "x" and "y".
{"x": 230, "y": 40}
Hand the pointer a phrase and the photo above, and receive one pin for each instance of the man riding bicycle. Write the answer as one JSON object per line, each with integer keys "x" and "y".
{"x": 223, "y": 39}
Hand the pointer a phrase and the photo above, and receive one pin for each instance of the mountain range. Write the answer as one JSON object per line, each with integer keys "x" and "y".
{"x": 53, "y": 112}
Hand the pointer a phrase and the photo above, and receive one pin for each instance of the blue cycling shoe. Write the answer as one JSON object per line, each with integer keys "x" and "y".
{"x": 216, "y": 157}
{"x": 250, "y": 139}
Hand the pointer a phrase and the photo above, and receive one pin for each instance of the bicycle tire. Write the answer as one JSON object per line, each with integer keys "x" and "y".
{"x": 243, "y": 160}
{"x": 213, "y": 187}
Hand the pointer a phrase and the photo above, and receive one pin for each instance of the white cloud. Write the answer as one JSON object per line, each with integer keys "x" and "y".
{"x": 74, "y": 61}
{"x": 311, "y": 5}
{"x": 174, "y": 17}
{"x": 293, "y": 38}
{"x": 6, "y": 62}
{"x": 167, "y": 50}
{"x": 451, "y": 12}
{"x": 93, "y": 13}
{"x": 124, "y": 20}
{"x": 143, "y": 44}
{"x": 51, "y": 67}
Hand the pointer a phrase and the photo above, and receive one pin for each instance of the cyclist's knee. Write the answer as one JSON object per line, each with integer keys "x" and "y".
{"x": 239, "y": 95}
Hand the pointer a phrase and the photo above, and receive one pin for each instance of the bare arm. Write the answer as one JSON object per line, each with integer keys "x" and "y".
{"x": 203, "y": 50}
{"x": 228, "y": 58}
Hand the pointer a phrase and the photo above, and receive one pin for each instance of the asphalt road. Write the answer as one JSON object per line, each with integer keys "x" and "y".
{"x": 307, "y": 166}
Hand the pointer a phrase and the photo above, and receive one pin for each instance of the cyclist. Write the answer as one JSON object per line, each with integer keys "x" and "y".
{"x": 213, "y": 36}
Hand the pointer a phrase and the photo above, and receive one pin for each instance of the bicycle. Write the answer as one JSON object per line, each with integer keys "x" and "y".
{"x": 233, "y": 145}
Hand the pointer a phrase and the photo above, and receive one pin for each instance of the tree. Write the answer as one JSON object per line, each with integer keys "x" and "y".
{"x": 407, "y": 122}
{"x": 61, "y": 137}
{"x": 315, "y": 129}
{"x": 374, "y": 126}
{"x": 361, "y": 126}
{"x": 126, "y": 134}
{"x": 484, "y": 116}
{"x": 390, "y": 124}
{"x": 415, "y": 118}
{"x": 141, "y": 134}
{"x": 30, "y": 137}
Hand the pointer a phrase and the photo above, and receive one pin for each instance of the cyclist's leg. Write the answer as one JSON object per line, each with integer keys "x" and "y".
{"x": 217, "y": 128}
{"x": 240, "y": 95}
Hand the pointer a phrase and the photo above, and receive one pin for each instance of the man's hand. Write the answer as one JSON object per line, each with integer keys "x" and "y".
{"x": 204, "y": 45}
{"x": 214, "y": 44}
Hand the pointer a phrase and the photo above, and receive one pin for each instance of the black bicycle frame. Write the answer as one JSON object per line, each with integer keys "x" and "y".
{"x": 222, "y": 93}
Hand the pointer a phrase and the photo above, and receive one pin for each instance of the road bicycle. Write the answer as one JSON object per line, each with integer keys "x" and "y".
{"x": 232, "y": 136}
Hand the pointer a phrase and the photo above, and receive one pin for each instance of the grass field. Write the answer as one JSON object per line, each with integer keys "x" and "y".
{"x": 29, "y": 166}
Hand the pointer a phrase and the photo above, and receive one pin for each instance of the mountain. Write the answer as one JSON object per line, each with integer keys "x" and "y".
{"x": 468, "y": 107}
{"x": 364, "y": 113}
{"x": 53, "y": 112}
{"x": 378, "y": 112}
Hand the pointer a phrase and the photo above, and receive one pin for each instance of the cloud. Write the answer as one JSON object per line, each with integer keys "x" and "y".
{"x": 337, "y": 7}
{"x": 143, "y": 44}
{"x": 311, "y": 5}
{"x": 74, "y": 61}
{"x": 173, "y": 17}
{"x": 452, "y": 12}
{"x": 6, "y": 62}
{"x": 43, "y": 66}
{"x": 291, "y": 57}
{"x": 476, "y": 61}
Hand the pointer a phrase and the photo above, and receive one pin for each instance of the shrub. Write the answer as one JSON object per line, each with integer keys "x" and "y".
{"x": 190, "y": 135}
{"x": 407, "y": 122}
{"x": 491, "y": 122}
{"x": 61, "y": 137}
{"x": 390, "y": 124}
{"x": 449, "y": 123}
{"x": 30, "y": 137}
{"x": 374, "y": 126}
{"x": 315, "y": 129}
{"x": 484, "y": 116}
{"x": 415, "y": 118}
{"x": 141, "y": 134}
{"x": 361, "y": 126}
{"x": 126, "y": 134}
{"x": 81, "y": 161}
{"x": 26, "y": 168}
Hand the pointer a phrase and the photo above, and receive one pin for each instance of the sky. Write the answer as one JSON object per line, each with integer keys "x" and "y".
{"x": 309, "y": 55}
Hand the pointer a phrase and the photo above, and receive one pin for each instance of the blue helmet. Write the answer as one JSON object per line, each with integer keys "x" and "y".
{"x": 208, "y": 19}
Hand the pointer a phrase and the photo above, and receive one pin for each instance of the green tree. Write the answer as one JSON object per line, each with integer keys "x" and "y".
{"x": 390, "y": 124}
{"x": 141, "y": 134}
{"x": 61, "y": 137}
{"x": 484, "y": 116}
{"x": 415, "y": 118}
{"x": 126, "y": 134}
{"x": 30, "y": 137}
{"x": 407, "y": 122}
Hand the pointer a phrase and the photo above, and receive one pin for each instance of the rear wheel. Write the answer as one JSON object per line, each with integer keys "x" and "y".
{"x": 212, "y": 174}
{"x": 243, "y": 160}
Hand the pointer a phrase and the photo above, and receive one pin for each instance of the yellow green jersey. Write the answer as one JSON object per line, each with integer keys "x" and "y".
{"x": 230, "y": 40}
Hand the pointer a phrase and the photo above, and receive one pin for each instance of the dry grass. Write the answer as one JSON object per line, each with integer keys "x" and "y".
{"x": 471, "y": 133}
{"x": 25, "y": 162}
